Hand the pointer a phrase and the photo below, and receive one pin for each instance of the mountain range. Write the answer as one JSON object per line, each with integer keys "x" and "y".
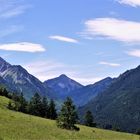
{"x": 64, "y": 87}
{"x": 17, "y": 79}
{"x": 119, "y": 104}
{"x": 112, "y": 101}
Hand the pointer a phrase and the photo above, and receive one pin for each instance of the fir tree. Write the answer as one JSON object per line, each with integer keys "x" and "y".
{"x": 68, "y": 116}
{"x": 45, "y": 108}
{"x": 23, "y": 104}
{"x": 35, "y": 105}
{"x": 89, "y": 120}
{"x": 4, "y": 92}
{"x": 52, "y": 114}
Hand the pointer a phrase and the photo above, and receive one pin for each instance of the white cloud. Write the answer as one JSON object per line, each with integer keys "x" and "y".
{"x": 133, "y": 3}
{"x": 22, "y": 46}
{"x": 12, "y": 8}
{"x": 64, "y": 39}
{"x": 135, "y": 53}
{"x": 109, "y": 64}
{"x": 112, "y": 28}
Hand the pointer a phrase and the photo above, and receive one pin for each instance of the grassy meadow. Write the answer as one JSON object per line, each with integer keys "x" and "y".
{"x": 19, "y": 126}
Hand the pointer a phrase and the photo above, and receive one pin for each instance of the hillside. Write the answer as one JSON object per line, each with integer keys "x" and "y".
{"x": 17, "y": 79}
{"x": 64, "y": 86}
{"x": 119, "y": 105}
{"x": 83, "y": 95}
{"x": 19, "y": 126}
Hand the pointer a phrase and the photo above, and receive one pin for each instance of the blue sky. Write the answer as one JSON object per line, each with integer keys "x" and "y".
{"x": 87, "y": 40}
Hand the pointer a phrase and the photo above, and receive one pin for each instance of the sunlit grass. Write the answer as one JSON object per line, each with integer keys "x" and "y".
{"x": 19, "y": 126}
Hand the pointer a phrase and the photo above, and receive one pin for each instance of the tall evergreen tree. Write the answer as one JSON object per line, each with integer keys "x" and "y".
{"x": 15, "y": 102}
{"x": 89, "y": 120}
{"x": 35, "y": 105}
{"x": 23, "y": 104}
{"x": 45, "y": 108}
{"x": 68, "y": 115}
{"x": 52, "y": 110}
{"x": 4, "y": 92}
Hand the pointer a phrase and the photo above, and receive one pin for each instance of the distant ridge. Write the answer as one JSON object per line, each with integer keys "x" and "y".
{"x": 119, "y": 105}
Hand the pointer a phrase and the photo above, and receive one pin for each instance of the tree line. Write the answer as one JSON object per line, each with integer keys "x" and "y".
{"x": 37, "y": 106}
{"x": 66, "y": 118}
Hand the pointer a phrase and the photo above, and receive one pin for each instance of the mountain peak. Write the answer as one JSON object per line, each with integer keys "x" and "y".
{"x": 62, "y": 84}
{"x": 2, "y": 61}
{"x": 3, "y": 65}
{"x": 63, "y": 76}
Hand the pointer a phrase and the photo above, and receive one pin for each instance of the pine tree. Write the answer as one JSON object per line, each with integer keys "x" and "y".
{"x": 23, "y": 104}
{"x": 45, "y": 108}
{"x": 18, "y": 103}
{"x": 15, "y": 97}
{"x": 89, "y": 120}
{"x": 68, "y": 116}
{"x": 5, "y": 92}
{"x": 52, "y": 114}
{"x": 35, "y": 105}
{"x": 10, "y": 106}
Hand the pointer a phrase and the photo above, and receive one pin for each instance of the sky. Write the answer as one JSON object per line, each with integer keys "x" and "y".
{"x": 87, "y": 40}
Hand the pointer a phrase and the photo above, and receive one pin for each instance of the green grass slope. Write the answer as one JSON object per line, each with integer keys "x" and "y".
{"x": 19, "y": 126}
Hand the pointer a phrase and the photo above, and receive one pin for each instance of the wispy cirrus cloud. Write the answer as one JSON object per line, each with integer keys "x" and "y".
{"x": 13, "y": 12}
{"x": 49, "y": 69}
{"x": 133, "y": 3}
{"x": 22, "y": 47}
{"x": 109, "y": 64}
{"x": 10, "y": 30}
{"x": 112, "y": 28}
{"x": 135, "y": 53}
{"x": 63, "y": 38}
{"x": 12, "y": 8}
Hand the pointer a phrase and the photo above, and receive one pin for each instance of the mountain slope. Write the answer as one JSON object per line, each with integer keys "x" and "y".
{"x": 62, "y": 85}
{"x": 85, "y": 94}
{"x": 19, "y": 126}
{"x": 18, "y": 79}
{"x": 120, "y": 104}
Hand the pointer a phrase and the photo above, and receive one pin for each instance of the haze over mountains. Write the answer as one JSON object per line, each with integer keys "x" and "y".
{"x": 85, "y": 94}
{"x": 113, "y": 102}
{"x": 63, "y": 86}
{"x": 17, "y": 79}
